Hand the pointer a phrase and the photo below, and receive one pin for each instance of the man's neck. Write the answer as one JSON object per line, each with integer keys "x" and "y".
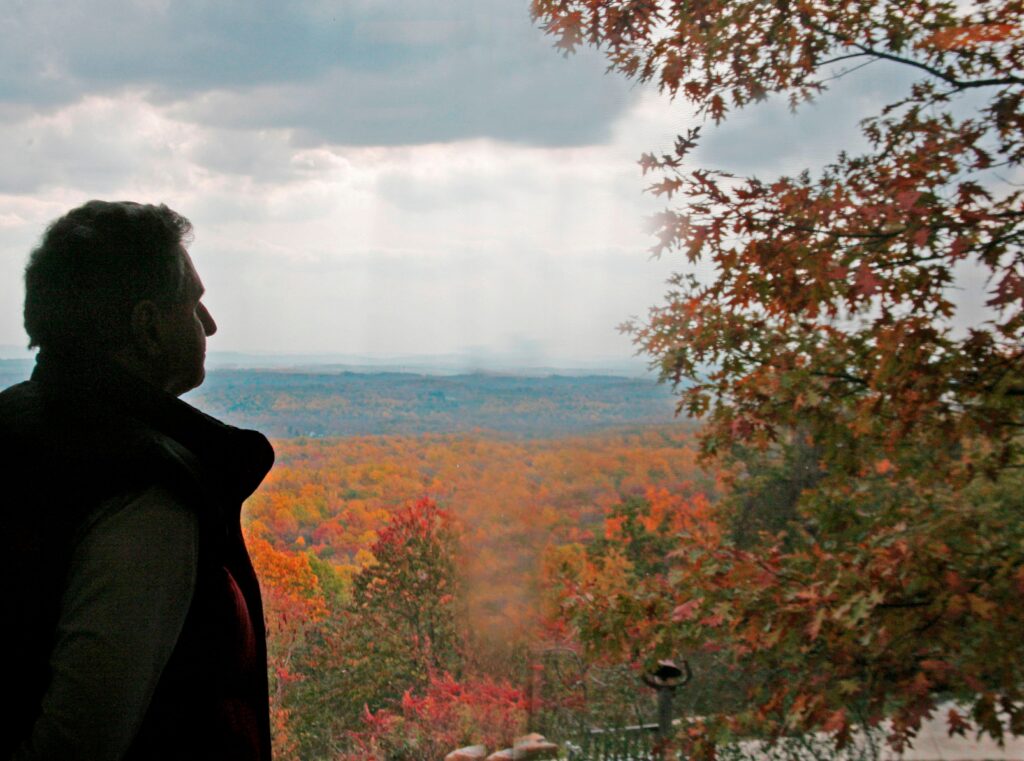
{"x": 128, "y": 361}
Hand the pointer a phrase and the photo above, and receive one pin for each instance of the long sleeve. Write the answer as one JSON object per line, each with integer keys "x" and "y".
{"x": 129, "y": 589}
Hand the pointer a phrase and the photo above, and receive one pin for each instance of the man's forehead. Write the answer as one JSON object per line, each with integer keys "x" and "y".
{"x": 192, "y": 281}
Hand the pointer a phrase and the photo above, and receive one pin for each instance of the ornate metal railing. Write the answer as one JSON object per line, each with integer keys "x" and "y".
{"x": 629, "y": 743}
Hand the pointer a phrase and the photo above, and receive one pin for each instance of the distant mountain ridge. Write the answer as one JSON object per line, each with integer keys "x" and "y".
{"x": 330, "y": 400}
{"x": 317, "y": 404}
{"x": 459, "y": 363}
{"x": 454, "y": 363}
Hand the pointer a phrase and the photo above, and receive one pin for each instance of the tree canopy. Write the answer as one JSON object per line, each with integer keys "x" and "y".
{"x": 832, "y": 326}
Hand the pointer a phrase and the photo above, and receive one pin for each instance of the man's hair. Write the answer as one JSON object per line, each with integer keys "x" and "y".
{"x": 94, "y": 265}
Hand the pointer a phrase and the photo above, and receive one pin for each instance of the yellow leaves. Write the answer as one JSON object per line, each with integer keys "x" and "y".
{"x": 960, "y": 604}
{"x": 608, "y": 577}
{"x": 981, "y": 607}
{"x": 849, "y": 687}
{"x": 364, "y": 558}
{"x": 718, "y": 617}
{"x": 956, "y": 606}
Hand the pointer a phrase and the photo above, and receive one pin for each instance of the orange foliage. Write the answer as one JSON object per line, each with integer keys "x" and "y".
{"x": 293, "y": 605}
{"x": 329, "y": 533}
{"x": 512, "y": 497}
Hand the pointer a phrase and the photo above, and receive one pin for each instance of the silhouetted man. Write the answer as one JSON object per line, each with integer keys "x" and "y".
{"x": 133, "y": 625}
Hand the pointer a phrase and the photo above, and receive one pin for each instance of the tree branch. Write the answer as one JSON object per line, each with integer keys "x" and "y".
{"x": 959, "y": 84}
{"x": 840, "y": 376}
{"x": 847, "y": 233}
{"x": 839, "y": 58}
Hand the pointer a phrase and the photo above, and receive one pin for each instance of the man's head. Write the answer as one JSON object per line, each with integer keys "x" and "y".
{"x": 114, "y": 279}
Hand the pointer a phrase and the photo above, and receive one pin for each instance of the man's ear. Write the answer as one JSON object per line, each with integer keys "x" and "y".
{"x": 145, "y": 327}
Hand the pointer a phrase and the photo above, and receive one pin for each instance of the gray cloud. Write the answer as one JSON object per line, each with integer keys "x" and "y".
{"x": 357, "y": 73}
{"x": 769, "y": 138}
{"x": 94, "y": 147}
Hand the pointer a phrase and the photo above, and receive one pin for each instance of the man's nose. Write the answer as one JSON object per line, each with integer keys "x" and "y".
{"x": 209, "y": 325}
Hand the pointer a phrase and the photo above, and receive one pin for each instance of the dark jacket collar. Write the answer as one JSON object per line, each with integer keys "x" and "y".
{"x": 238, "y": 459}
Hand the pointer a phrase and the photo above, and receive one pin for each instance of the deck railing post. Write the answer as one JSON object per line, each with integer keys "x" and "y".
{"x": 665, "y": 679}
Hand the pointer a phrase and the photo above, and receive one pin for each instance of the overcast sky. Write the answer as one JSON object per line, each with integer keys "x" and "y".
{"x": 366, "y": 177}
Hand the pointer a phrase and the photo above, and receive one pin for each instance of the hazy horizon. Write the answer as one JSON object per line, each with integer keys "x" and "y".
{"x": 467, "y": 361}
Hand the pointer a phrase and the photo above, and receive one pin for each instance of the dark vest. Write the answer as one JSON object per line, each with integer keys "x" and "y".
{"x": 77, "y": 436}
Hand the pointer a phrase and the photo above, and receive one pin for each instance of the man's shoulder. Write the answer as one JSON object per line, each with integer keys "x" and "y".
{"x": 49, "y": 435}
{"x": 33, "y": 415}
{"x": 33, "y": 424}
{"x": 19, "y": 404}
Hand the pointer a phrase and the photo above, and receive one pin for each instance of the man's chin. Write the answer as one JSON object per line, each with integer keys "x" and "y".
{"x": 200, "y": 377}
{"x": 186, "y": 385}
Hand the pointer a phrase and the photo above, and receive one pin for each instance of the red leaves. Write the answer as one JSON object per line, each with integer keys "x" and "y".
{"x": 847, "y": 622}
{"x": 566, "y": 27}
{"x": 836, "y": 722}
{"x": 865, "y": 282}
{"x": 686, "y": 612}
{"x": 1009, "y": 291}
{"x": 907, "y": 198}
{"x": 957, "y": 724}
{"x": 613, "y": 527}
{"x": 649, "y": 162}
{"x": 716, "y": 108}
{"x": 969, "y": 36}
{"x": 713, "y": 621}
{"x": 421, "y": 520}
{"x": 666, "y": 187}
{"x": 447, "y": 714}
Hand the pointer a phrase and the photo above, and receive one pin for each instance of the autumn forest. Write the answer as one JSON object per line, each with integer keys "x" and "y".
{"x": 412, "y": 580}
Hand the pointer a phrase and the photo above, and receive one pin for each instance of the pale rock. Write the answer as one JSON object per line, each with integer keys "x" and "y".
{"x": 528, "y": 747}
{"x": 469, "y": 753}
{"x": 533, "y": 737}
